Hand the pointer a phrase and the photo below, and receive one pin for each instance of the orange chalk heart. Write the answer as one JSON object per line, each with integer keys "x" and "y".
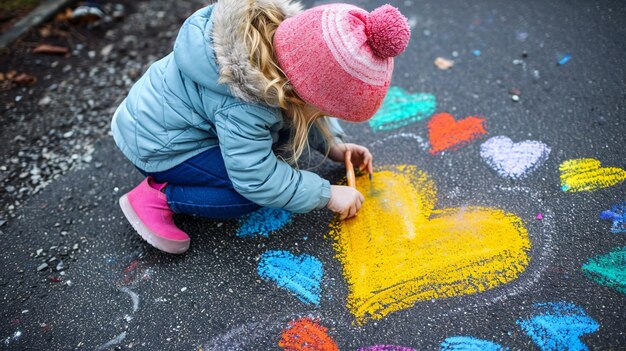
{"x": 400, "y": 250}
{"x": 444, "y": 133}
{"x": 305, "y": 334}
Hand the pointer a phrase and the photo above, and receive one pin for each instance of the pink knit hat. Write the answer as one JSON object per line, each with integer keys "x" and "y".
{"x": 339, "y": 58}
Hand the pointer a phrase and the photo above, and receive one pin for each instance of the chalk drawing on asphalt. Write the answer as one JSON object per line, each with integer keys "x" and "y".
{"x": 306, "y": 334}
{"x": 421, "y": 142}
{"x": 617, "y": 214}
{"x": 447, "y": 134}
{"x": 608, "y": 270}
{"x": 263, "y": 222}
{"x": 115, "y": 341}
{"x": 468, "y": 343}
{"x": 485, "y": 247}
{"x": 386, "y": 348}
{"x": 13, "y": 337}
{"x": 513, "y": 160}
{"x": 587, "y": 174}
{"x": 400, "y": 108}
{"x": 558, "y": 326}
{"x": 299, "y": 274}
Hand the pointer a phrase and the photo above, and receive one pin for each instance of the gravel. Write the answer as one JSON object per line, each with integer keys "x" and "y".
{"x": 50, "y": 129}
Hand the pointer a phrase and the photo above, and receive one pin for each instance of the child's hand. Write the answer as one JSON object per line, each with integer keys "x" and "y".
{"x": 361, "y": 156}
{"x": 345, "y": 200}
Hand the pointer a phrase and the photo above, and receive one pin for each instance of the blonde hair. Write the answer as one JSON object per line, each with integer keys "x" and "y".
{"x": 262, "y": 23}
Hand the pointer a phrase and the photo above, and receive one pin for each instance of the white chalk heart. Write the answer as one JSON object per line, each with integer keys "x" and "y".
{"x": 514, "y": 160}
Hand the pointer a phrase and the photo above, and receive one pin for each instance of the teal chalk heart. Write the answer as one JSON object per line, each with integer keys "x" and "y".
{"x": 609, "y": 269}
{"x": 401, "y": 108}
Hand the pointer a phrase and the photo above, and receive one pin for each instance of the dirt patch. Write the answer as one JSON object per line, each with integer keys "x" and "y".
{"x": 51, "y": 121}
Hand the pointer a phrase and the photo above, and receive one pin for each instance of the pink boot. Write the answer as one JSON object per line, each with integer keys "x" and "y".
{"x": 147, "y": 210}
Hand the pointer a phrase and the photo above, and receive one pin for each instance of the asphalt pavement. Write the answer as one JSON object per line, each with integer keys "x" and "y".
{"x": 548, "y": 75}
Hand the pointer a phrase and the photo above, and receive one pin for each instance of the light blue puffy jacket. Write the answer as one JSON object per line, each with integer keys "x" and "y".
{"x": 178, "y": 109}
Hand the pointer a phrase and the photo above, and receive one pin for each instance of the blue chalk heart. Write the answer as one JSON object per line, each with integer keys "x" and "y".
{"x": 618, "y": 215}
{"x": 263, "y": 222}
{"x": 559, "y": 326}
{"x": 302, "y": 275}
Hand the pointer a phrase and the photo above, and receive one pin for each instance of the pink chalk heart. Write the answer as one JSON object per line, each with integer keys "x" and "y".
{"x": 514, "y": 160}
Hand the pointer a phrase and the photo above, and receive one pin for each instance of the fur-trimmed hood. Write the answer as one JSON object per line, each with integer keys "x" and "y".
{"x": 229, "y": 21}
{"x": 210, "y": 48}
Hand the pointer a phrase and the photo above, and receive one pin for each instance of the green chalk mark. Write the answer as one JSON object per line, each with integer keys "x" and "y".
{"x": 401, "y": 108}
{"x": 609, "y": 269}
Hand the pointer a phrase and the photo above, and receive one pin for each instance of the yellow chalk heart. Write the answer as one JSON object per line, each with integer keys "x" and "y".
{"x": 399, "y": 250}
{"x": 586, "y": 174}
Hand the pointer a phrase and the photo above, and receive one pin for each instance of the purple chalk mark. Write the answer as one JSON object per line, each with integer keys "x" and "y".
{"x": 386, "y": 348}
{"x": 539, "y": 216}
{"x": 514, "y": 160}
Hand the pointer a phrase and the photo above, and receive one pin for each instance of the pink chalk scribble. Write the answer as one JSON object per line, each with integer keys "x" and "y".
{"x": 386, "y": 348}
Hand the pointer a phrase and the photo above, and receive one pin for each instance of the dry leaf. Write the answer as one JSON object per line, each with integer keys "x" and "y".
{"x": 48, "y": 30}
{"x": 11, "y": 74}
{"x": 45, "y": 31}
{"x": 60, "y": 33}
{"x": 50, "y": 49}
{"x": 25, "y": 79}
{"x": 64, "y": 16}
{"x": 5, "y": 85}
{"x": 443, "y": 63}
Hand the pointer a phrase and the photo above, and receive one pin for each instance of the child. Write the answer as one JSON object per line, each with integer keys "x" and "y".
{"x": 202, "y": 122}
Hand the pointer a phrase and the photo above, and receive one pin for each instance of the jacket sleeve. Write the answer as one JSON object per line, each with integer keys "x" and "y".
{"x": 316, "y": 137}
{"x": 256, "y": 173}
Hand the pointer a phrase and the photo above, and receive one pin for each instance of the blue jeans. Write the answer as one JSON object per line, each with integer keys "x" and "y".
{"x": 200, "y": 186}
